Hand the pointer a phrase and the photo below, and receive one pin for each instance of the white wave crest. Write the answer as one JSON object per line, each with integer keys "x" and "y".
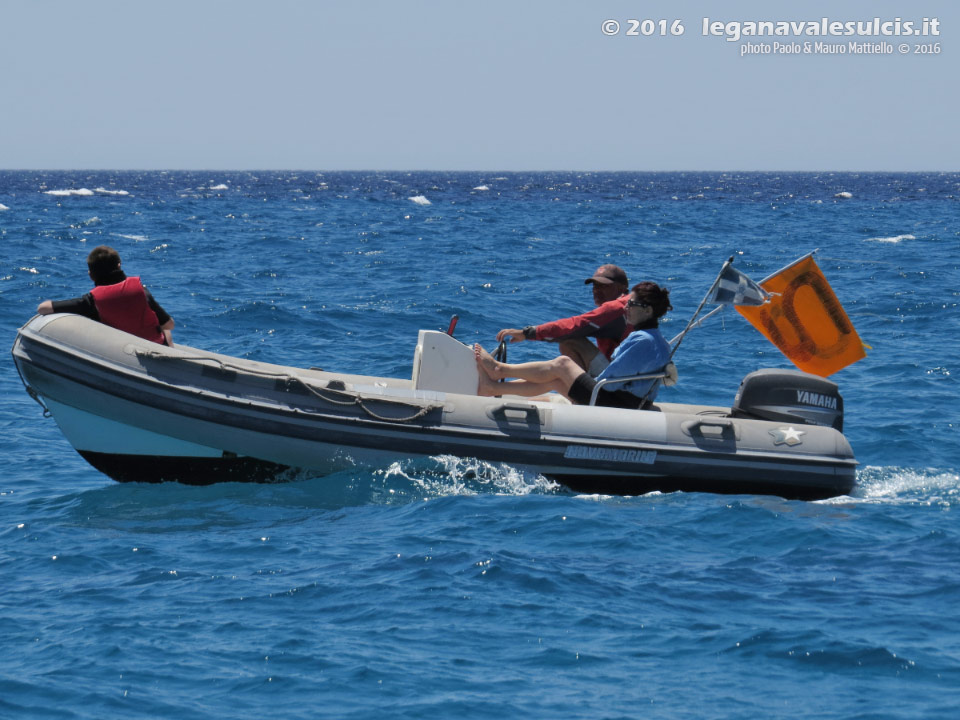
{"x": 3, "y": 207}
{"x": 894, "y": 239}
{"x": 135, "y": 238}
{"x": 32, "y": 271}
{"x": 844, "y": 195}
{"x": 221, "y": 186}
{"x": 420, "y": 200}
{"x": 481, "y": 187}
{"x": 104, "y": 191}
{"x": 82, "y": 192}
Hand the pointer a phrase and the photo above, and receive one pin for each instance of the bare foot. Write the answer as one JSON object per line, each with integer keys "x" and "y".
{"x": 486, "y": 363}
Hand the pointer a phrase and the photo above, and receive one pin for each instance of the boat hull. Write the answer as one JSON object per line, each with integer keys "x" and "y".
{"x": 142, "y": 412}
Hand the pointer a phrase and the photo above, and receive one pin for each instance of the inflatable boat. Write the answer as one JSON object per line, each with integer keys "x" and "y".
{"x": 139, "y": 411}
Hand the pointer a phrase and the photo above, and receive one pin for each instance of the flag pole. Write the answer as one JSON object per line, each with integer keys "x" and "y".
{"x": 675, "y": 343}
{"x": 790, "y": 265}
{"x": 700, "y": 321}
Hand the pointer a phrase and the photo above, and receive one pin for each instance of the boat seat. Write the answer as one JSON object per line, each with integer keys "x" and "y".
{"x": 667, "y": 375}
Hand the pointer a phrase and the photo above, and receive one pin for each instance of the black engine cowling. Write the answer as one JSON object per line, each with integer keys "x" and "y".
{"x": 789, "y": 396}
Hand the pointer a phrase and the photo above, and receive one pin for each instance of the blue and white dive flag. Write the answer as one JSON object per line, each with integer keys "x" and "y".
{"x": 735, "y": 288}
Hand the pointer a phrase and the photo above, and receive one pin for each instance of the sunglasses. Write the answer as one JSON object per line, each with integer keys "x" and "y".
{"x": 637, "y": 303}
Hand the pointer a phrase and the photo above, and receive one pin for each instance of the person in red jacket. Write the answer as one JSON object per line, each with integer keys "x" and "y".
{"x": 116, "y": 300}
{"x": 605, "y": 323}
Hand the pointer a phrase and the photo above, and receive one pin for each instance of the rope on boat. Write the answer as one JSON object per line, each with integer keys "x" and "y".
{"x": 354, "y": 399}
{"x": 33, "y": 393}
{"x": 36, "y": 396}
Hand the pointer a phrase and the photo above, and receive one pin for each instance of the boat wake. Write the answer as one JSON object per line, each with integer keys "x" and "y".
{"x": 445, "y": 475}
{"x": 899, "y": 485}
{"x": 401, "y": 483}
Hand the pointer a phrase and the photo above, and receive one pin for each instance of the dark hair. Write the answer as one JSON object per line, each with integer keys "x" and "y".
{"x": 658, "y": 298}
{"x": 102, "y": 262}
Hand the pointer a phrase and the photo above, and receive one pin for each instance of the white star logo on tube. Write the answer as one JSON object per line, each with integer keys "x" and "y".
{"x": 787, "y": 436}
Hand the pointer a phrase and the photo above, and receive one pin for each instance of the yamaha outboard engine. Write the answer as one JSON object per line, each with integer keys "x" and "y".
{"x": 789, "y": 396}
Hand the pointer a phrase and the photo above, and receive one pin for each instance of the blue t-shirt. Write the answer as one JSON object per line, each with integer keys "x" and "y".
{"x": 643, "y": 352}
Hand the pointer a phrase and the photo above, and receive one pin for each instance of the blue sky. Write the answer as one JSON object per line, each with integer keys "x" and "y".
{"x": 444, "y": 85}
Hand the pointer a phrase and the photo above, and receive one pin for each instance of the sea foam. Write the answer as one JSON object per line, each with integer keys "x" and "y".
{"x": 894, "y": 239}
{"x": 82, "y": 192}
{"x": 420, "y": 200}
{"x": 3, "y": 207}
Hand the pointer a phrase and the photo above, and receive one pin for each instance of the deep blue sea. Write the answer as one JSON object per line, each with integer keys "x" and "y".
{"x": 457, "y": 589}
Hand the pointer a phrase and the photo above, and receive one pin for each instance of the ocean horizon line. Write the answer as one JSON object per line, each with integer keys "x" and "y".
{"x": 481, "y": 171}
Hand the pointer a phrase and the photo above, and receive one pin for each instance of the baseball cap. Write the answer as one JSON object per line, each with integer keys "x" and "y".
{"x": 608, "y": 275}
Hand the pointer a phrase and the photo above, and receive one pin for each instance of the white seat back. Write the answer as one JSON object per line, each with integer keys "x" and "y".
{"x": 444, "y": 364}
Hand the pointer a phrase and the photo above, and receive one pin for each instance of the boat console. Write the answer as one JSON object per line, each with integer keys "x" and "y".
{"x": 444, "y": 364}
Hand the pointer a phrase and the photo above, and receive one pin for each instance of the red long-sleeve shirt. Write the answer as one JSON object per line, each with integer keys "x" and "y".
{"x": 605, "y": 322}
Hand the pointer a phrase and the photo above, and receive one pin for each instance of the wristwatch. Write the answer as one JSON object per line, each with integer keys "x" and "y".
{"x": 530, "y": 332}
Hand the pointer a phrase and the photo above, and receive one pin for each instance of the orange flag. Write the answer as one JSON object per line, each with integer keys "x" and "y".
{"x": 806, "y": 321}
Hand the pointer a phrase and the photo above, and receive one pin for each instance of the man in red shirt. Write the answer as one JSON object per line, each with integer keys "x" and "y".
{"x": 605, "y": 322}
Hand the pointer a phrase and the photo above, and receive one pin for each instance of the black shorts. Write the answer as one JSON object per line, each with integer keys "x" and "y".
{"x": 582, "y": 389}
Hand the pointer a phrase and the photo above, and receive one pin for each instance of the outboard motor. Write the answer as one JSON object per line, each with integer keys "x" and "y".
{"x": 789, "y": 396}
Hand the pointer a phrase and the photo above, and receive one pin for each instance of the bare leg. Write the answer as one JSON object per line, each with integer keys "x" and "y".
{"x": 524, "y": 388}
{"x": 580, "y": 350}
{"x": 535, "y": 378}
{"x": 542, "y": 371}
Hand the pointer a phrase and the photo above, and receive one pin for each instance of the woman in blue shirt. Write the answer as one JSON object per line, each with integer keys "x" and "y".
{"x": 643, "y": 352}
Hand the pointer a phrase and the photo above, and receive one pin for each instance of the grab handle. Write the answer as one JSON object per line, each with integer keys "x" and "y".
{"x": 704, "y": 426}
{"x": 531, "y": 413}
